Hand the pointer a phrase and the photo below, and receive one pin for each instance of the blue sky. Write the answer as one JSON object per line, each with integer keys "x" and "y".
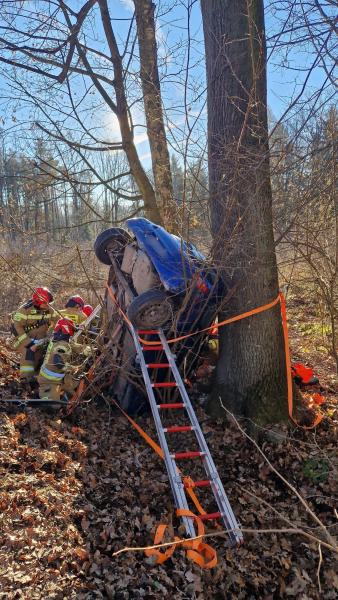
{"x": 283, "y": 83}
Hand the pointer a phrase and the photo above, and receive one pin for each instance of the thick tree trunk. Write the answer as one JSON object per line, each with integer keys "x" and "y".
{"x": 250, "y": 376}
{"x": 144, "y": 12}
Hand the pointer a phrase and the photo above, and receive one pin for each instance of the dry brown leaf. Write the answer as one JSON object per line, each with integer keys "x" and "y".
{"x": 81, "y": 553}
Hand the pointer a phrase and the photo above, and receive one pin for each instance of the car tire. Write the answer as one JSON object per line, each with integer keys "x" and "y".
{"x": 150, "y": 310}
{"x": 108, "y": 238}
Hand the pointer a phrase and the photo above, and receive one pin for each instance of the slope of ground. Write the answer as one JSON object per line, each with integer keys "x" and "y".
{"x": 73, "y": 493}
{"x": 76, "y": 489}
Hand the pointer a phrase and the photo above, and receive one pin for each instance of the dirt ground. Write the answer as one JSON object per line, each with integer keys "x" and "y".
{"x": 76, "y": 489}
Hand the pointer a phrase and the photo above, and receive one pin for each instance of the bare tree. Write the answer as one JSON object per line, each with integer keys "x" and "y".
{"x": 145, "y": 19}
{"x": 55, "y": 50}
{"x": 307, "y": 226}
{"x": 251, "y": 369}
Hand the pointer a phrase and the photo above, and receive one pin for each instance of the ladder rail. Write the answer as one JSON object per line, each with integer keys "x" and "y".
{"x": 85, "y": 323}
{"x": 221, "y": 498}
{"x": 175, "y": 479}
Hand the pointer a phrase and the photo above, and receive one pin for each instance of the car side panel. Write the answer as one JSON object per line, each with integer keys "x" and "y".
{"x": 174, "y": 260}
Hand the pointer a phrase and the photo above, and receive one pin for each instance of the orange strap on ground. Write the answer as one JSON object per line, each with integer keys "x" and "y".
{"x": 161, "y": 556}
{"x": 186, "y": 480}
{"x": 141, "y": 431}
{"x": 319, "y": 416}
{"x": 200, "y": 553}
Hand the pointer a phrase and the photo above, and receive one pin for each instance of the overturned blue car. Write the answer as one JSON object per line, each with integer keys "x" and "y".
{"x": 156, "y": 279}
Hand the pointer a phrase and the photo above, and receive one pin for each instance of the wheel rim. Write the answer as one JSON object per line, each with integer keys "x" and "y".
{"x": 115, "y": 246}
{"x": 154, "y": 315}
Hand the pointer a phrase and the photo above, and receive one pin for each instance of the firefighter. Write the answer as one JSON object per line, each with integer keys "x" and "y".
{"x": 87, "y": 310}
{"x": 89, "y": 330}
{"x": 55, "y": 373}
{"x": 74, "y": 309}
{"x": 30, "y": 324}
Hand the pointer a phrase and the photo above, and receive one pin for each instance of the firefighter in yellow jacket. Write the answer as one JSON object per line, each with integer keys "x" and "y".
{"x": 55, "y": 374}
{"x": 30, "y": 324}
{"x": 74, "y": 310}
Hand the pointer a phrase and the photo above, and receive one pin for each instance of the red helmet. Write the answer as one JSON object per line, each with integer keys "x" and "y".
{"x": 75, "y": 301}
{"x": 65, "y": 325}
{"x": 42, "y": 295}
{"x": 87, "y": 310}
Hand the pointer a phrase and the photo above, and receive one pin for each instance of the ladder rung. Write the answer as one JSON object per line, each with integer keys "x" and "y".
{"x": 171, "y": 405}
{"x": 165, "y": 384}
{"x": 201, "y": 483}
{"x": 187, "y": 454}
{"x": 148, "y": 348}
{"x": 207, "y": 517}
{"x": 158, "y": 365}
{"x": 147, "y": 331}
{"x": 176, "y": 428}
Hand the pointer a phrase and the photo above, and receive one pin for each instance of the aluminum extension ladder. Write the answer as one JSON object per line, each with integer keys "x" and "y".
{"x": 175, "y": 477}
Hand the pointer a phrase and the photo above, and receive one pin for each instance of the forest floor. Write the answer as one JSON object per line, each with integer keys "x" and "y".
{"x": 76, "y": 489}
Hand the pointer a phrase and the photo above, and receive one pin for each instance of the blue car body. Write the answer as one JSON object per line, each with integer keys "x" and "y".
{"x": 175, "y": 261}
{"x": 191, "y": 286}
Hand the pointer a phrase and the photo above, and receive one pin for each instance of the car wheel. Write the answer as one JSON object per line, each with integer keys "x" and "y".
{"x": 113, "y": 240}
{"x": 150, "y": 309}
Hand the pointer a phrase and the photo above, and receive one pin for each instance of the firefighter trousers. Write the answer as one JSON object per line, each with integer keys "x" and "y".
{"x": 49, "y": 390}
{"x": 54, "y": 390}
{"x": 29, "y": 363}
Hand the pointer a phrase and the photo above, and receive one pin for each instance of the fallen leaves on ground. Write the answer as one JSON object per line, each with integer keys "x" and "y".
{"x": 76, "y": 489}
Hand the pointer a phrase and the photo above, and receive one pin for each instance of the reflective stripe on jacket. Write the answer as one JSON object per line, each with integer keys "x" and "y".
{"x": 29, "y": 322}
{"x": 76, "y": 315}
{"x": 58, "y": 359}
{"x": 51, "y": 375}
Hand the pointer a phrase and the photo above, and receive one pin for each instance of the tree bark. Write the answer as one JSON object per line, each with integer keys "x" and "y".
{"x": 145, "y": 20}
{"x": 121, "y": 110}
{"x": 250, "y": 376}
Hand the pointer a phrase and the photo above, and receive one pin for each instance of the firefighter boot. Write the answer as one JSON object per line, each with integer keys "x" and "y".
{"x": 48, "y": 390}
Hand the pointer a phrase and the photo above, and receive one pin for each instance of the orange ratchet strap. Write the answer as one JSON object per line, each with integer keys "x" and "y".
{"x": 255, "y": 311}
{"x": 114, "y": 299}
{"x": 319, "y": 416}
{"x": 249, "y": 313}
{"x": 200, "y": 553}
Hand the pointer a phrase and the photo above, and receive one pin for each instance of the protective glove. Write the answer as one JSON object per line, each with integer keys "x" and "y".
{"x": 34, "y": 344}
{"x": 40, "y": 342}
